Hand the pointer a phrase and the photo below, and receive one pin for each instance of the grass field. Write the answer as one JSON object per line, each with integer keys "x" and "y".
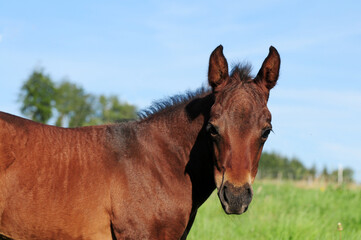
{"x": 284, "y": 211}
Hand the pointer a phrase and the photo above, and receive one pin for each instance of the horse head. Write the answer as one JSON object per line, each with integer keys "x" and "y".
{"x": 239, "y": 125}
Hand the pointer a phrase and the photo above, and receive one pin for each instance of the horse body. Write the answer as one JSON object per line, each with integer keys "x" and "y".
{"x": 143, "y": 179}
{"x": 94, "y": 182}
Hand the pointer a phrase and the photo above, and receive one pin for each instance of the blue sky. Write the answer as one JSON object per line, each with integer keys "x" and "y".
{"x": 149, "y": 50}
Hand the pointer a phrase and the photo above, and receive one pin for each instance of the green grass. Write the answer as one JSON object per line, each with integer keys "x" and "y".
{"x": 284, "y": 211}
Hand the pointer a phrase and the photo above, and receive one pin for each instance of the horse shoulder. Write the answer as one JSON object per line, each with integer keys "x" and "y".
{"x": 149, "y": 199}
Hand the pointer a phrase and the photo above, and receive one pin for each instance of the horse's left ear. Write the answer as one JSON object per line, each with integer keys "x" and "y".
{"x": 268, "y": 74}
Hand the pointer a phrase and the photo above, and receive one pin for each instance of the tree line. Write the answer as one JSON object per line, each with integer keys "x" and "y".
{"x": 68, "y": 104}
{"x": 275, "y": 166}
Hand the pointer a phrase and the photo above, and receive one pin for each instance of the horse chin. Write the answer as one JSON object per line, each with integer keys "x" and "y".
{"x": 230, "y": 211}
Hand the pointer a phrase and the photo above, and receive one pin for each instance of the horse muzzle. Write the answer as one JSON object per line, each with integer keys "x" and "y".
{"x": 235, "y": 200}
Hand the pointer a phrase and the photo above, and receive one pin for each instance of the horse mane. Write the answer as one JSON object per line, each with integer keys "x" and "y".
{"x": 240, "y": 72}
{"x": 169, "y": 103}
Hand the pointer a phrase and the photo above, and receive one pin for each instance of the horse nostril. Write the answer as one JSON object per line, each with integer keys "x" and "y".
{"x": 250, "y": 191}
{"x": 225, "y": 194}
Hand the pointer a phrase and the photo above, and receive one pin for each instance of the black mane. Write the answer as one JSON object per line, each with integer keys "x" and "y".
{"x": 170, "y": 103}
{"x": 240, "y": 72}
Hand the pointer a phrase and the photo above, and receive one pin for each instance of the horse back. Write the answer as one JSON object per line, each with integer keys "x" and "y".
{"x": 55, "y": 175}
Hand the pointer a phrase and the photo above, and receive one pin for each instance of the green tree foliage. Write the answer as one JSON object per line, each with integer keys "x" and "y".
{"x": 297, "y": 170}
{"x": 37, "y": 97}
{"x": 273, "y": 165}
{"x": 347, "y": 175}
{"x": 73, "y": 105}
{"x": 324, "y": 174}
{"x": 312, "y": 171}
{"x": 116, "y": 111}
{"x": 69, "y": 103}
{"x": 111, "y": 110}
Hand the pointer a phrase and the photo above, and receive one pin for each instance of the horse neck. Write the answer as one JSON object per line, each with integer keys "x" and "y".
{"x": 181, "y": 135}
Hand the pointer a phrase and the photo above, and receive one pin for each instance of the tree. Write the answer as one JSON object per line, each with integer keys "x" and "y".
{"x": 36, "y": 96}
{"x": 73, "y": 105}
{"x": 70, "y": 103}
{"x": 112, "y": 110}
{"x": 297, "y": 169}
{"x": 115, "y": 111}
{"x": 324, "y": 174}
{"x": 77, "y": 108}
{"x": 347, "y": 174}
{"x": 312, "y": 171}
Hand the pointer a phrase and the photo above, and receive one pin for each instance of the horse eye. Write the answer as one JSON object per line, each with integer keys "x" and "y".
{"x": 266, "y": 132}
{"x": 211, "y": 129}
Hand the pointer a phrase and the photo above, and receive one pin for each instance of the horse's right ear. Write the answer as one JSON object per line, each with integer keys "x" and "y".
{"x": 218, "y": 69}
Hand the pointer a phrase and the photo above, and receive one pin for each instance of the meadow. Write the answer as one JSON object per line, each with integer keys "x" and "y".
{"x": 285, "y": 210}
